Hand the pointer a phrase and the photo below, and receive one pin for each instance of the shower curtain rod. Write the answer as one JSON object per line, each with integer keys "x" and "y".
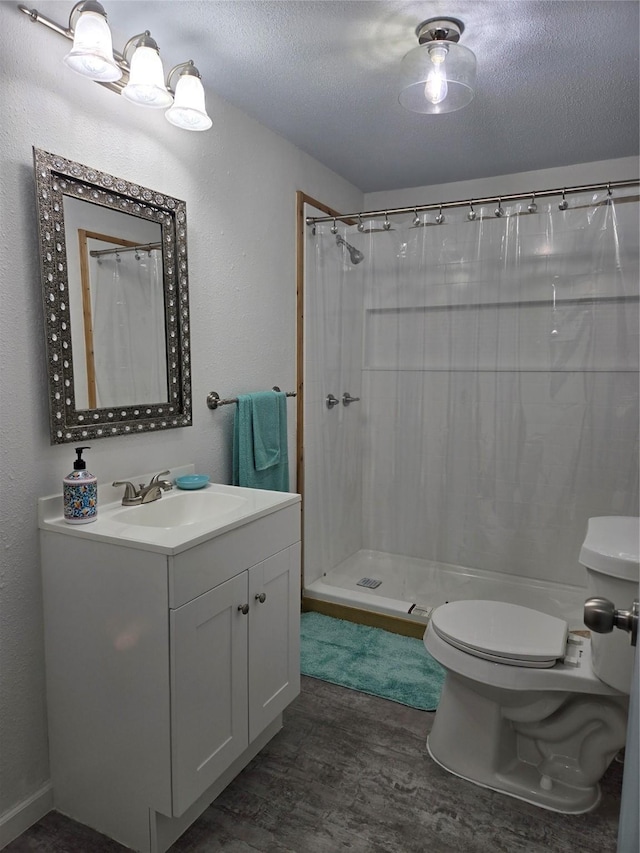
{"x": 143, "y": 247}
{"x": 415, "y": 208}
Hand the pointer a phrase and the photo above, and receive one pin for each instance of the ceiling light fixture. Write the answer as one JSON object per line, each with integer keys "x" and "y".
{"x": 438, "y": 75}
{"x": 142, "y": 80}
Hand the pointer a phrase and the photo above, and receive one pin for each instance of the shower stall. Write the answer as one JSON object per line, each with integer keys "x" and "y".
{"x": 470, "y": 380}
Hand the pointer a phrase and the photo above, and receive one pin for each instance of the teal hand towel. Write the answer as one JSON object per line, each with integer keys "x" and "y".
{"x": 260, "y": 455}
{"x": 265, "y": 417}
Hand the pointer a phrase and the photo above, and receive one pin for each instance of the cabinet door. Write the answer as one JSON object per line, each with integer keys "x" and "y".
{"x": 208, "y": 688}
{"x": 274, "y": 637}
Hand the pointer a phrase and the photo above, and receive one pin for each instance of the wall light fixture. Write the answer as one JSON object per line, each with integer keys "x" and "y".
{"x": 139, "y": 79}
{"x": 146, "y": 77}
{"x": 439, "y": 75}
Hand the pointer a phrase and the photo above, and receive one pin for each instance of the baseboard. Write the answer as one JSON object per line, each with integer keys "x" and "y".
{"x": 18, "y": 819}
{"x": 394, "y": 624}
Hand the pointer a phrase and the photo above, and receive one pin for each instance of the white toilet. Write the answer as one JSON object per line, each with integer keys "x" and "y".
{"x": 528, "y": 709}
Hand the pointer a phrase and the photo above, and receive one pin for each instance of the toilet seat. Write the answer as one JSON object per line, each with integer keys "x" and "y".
{"x": 502, "y": 633}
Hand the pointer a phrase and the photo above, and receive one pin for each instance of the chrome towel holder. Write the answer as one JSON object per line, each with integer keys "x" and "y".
{"x": 214, "y": 401}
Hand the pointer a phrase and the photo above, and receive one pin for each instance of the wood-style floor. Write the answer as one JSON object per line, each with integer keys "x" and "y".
{"x": 349, "y": 772}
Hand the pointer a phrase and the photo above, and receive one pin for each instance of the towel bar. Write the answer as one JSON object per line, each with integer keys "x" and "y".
{"x": 213, "y": 398}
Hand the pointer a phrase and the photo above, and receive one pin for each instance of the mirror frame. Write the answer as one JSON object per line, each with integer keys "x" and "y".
{"x": 57, "y": 177}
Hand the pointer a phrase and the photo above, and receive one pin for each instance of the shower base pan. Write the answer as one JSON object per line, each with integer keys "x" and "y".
{"x": 411, "y": 588}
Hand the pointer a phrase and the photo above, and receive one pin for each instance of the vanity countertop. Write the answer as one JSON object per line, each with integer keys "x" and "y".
{"x": 158, "y": 527}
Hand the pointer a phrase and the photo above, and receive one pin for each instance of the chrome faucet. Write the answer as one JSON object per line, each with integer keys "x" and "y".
{"x": 145, "y": 494}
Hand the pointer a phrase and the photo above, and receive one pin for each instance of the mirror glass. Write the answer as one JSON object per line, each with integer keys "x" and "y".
{"x": 116, "y": 306}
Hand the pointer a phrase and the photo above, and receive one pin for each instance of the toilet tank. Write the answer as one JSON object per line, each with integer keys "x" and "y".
{"x": 610, "y": 555}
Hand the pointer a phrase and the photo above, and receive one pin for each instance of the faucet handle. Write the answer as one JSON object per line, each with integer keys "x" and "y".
{"x": 165, "y": 485}
{"x": 130, "y": 492}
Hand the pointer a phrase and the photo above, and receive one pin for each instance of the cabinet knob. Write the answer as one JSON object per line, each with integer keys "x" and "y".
{"x": 261, "y": 597}
{"x": 243, "y": 608}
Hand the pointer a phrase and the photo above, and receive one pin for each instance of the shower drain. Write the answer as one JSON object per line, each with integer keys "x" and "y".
{"x": 370, "y": 583}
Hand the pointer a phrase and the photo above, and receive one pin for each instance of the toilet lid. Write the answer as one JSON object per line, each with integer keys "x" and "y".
{"x": 505, "y": 633}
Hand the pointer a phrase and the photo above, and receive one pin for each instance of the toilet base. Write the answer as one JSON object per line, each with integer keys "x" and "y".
{"x": 548, "y": 748}
{"x": 521, "y": 785}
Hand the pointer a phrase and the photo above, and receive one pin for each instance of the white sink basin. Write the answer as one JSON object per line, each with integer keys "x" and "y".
{"x": 178, "y": 510}
{"x": 176, "y": 521}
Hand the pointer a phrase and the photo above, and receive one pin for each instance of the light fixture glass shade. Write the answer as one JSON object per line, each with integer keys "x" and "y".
{"x": 146, "y": 80}
{"x": 92, "y": 51}
{"x": 188, "y": 110}
{"x": 438, "y": 77}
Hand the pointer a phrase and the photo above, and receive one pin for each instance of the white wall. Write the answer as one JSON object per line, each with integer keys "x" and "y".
{"x": 239, "y": 181}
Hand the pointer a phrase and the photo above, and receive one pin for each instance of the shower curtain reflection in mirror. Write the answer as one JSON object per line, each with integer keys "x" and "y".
{"x": 123, "y": 311}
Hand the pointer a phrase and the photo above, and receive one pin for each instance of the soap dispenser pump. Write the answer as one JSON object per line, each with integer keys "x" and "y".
{"x": 80, "y": 493}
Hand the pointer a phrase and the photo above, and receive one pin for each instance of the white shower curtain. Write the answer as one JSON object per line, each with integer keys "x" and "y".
{"x": 497, "y": 365}
{"x": 129, "y": 329}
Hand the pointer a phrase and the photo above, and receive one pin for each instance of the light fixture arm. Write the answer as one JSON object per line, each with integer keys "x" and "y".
{"x": 140, "y": 40}
{"x": 189, "y": 68}
{"x": 84, "y": 6}
{"x": 39, "y": 18}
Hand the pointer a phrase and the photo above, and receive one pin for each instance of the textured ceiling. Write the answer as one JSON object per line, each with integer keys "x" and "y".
{"x": 557, "y": 81}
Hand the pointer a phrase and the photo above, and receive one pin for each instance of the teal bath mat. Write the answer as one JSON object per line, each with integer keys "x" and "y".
{"x": 369, "y": 660}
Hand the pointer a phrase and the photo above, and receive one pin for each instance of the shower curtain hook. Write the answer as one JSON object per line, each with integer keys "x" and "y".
{"x": 386, "y": 224}
{"x": 334, "y": 227}
{"x": 440, "y": 217}
{"x": 360, "y": 225}
{"x": 472, "y": 214}
{"x": 118, "y": 258}
{"x": 416, "y": 218}
{"x": 499, "y": 210}
{"x": 564, "y": 204}
{"x": 609, "y": 191}
{"x": 532, "y": 207}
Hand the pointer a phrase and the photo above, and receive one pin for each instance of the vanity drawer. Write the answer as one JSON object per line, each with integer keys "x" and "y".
{"x": 205, "y": 566}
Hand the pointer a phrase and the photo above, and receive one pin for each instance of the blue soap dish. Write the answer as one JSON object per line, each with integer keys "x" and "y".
{"x": 192, "y": 481}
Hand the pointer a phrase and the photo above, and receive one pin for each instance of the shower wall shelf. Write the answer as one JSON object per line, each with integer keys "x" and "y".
{"x": 214, "y": 401}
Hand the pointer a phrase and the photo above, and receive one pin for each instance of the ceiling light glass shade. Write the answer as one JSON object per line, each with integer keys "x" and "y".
{"x": 92, "y": 51}
{"x": 146, "y": 80}
{"x": 188, "y": 110}
{"x": 438, "y": 77}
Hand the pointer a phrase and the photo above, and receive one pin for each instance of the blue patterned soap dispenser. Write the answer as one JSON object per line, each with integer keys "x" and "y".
{"x": 80, "y": 493}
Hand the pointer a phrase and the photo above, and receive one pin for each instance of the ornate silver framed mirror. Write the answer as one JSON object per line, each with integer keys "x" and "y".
{"x": 115, "y": 286}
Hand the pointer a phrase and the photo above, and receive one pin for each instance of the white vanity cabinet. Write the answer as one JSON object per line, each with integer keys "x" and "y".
{"x": 223, "y": 701}
{"x": 166, "y": 672}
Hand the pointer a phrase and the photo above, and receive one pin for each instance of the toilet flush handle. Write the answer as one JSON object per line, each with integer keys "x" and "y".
{"x": 601, "y": 616}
